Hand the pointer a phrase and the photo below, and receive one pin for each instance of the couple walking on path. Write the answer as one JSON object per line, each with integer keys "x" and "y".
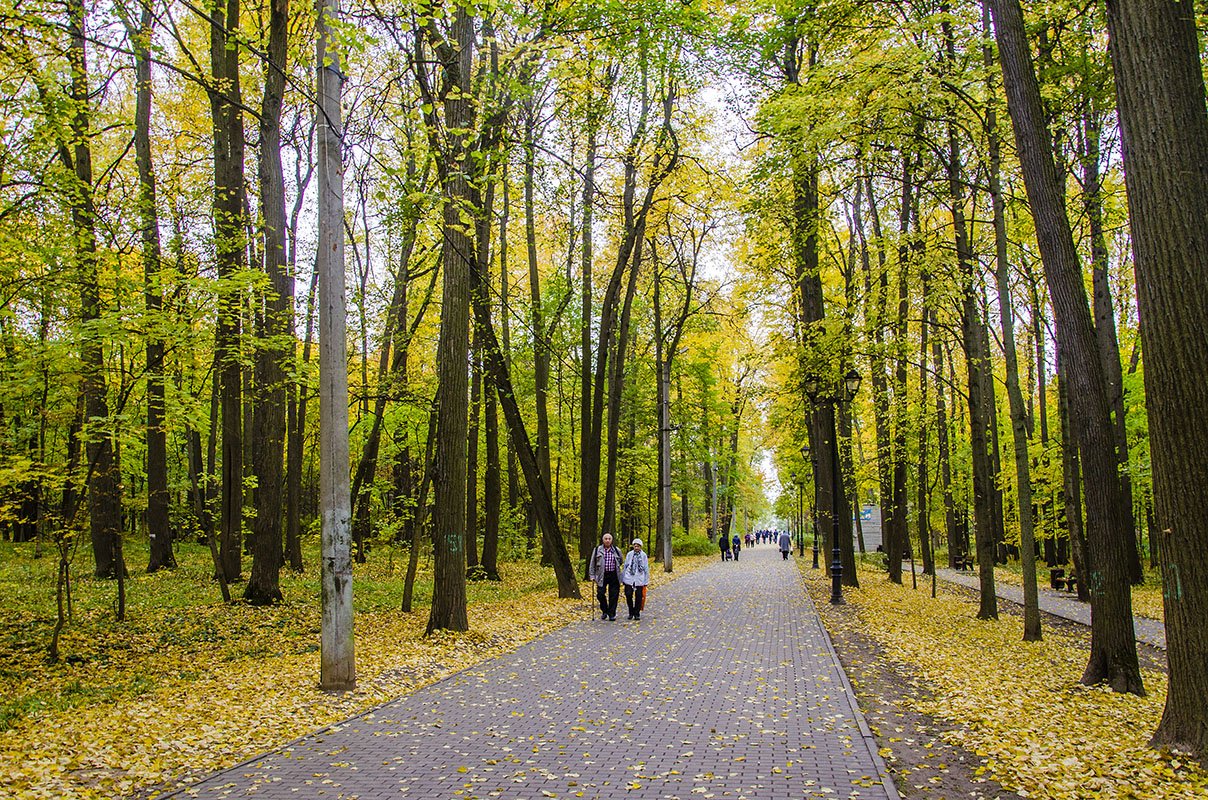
{"x": 609, "y": 570}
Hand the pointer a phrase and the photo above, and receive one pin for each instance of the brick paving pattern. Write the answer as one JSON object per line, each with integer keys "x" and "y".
{"x": 1060, "y": 604}
{"x": 728, "y": 687}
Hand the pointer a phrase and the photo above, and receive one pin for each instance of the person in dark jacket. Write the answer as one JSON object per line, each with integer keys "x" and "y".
{"x": 605, "y": 569}
{"x": 786, "y": 544}
{"x": 724, "y": 544}
{"x": 736, "y": 546}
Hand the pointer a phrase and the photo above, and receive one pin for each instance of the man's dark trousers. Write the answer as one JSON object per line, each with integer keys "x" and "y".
{"x": 609, "y": 593}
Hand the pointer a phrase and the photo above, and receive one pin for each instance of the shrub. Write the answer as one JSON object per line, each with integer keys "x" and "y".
{"x": 692, "y": 545}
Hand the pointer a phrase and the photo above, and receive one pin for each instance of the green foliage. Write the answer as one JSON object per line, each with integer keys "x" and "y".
{"x": 693, "y": 544}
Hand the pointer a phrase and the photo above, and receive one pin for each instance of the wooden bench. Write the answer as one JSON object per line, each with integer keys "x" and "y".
{"x": 964, "y": 563}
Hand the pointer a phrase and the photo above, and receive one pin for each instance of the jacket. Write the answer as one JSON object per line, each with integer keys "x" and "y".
{"x": 786, "y": 541}
{"x": 636, "y": 571}
{"x": 595, "y": 569}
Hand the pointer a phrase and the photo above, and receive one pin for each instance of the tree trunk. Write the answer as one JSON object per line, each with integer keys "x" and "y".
{"x": 1113, "y": 657}
{"x": 589, "y": 454}
{"x": 102, "y": 478}
{"x": 454, "y": 52}
{"x": 159, "y": 532}
{"x": 338, "y": 664}
{"x": 296, "y": 421}
{"x": 1156, "y": 58}
{"x": 276, "y": 342}
{"x": 942, "y": 448}
{"x": 492, "y": 494}
{"x": 1019, "y": 433}
{"x": 876, "y": 291}
{"x": 229, "y": 244}
{"x": 1105, "y": 327}
{"x": 901, "y": 529}
{"x": 977, "y": 365}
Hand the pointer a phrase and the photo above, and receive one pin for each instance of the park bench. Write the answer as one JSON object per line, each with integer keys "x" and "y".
{"x": 964, "y": 563}
{"x": 1061, "y": 582}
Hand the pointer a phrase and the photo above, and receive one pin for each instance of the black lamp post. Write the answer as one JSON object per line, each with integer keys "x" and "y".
{"x": 805, "y": 455}
{"x": 844, "y": 394}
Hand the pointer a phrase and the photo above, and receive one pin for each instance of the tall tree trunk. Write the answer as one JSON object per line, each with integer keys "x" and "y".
{"x": 275, "y": 348}
{"x": 901, "y": 531}
{"x": 1156, "y": 58}
{"x": 589, "y": 455}
{"x": 472, "y": 439}
{"x": 337, "y": 659}
{"x": 454, "y": 51}
{"x": 1019, "y": 432}
{"x": 296, "y": 435}
{"x": 977, "y": 365}
{"x": 1113, "y": 657}
{"x": 1105, "y": 326}
{"x": 159, "y": 532}
{"x": 876, "y": 290}
{"x": 942, "y": 448}
{"x": 491, "y": 488}
{"x": 229, "y": 244}
{"x": 102, "y": 477}
{"x": 923, "y": 494}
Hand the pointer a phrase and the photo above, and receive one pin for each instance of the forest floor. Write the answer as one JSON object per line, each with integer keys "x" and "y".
{"x": 963, "y": 708}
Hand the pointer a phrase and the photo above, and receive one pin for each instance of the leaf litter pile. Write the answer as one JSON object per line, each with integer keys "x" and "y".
{"x": 187, "y": 686}
{"x": 1018, "y": 707}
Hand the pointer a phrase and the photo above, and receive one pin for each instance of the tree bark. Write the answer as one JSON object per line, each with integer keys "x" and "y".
{"x": 1105, "y": 326}
{"x": 229, "y": 244}
{"x": 977, "y": 363}
{"x": 275, "y": 348}
{"x": 159, "y": 532}
{"x": 1113, "y": 657}
{"x": 101, "y": 477}
{"x": 1160, "y": 90}
{"x": 1019, "y": 432}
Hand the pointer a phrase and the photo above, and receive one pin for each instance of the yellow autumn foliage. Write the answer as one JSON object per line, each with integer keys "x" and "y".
{"x": 1019, "y": 705}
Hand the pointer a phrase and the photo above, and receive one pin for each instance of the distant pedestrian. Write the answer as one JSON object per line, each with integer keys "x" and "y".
{"x": 737, "y": 546}
{"x": 604, "y": 568}
{"x": 724, "y": 544}
{"x": 786, "y": 544}
{"x": 636, "y": 576}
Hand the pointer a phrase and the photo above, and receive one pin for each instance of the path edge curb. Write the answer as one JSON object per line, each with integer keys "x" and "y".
{"x": 870, "y": 741}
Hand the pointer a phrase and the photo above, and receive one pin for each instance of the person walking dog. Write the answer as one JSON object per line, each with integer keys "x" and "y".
{"x": 604, "y": 568}
{"x": 636, "y": 576}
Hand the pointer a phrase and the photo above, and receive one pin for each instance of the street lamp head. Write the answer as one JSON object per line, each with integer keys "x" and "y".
{"x": 805, "y": 451}
{"x": 851, "y": 382}
{"x": 811, "y": 387}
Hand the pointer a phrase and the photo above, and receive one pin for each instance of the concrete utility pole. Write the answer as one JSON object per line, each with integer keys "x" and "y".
{"x": 338, "y": 667}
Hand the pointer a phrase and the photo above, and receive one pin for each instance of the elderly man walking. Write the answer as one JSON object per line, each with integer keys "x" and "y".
{"x": 604, "y": 568}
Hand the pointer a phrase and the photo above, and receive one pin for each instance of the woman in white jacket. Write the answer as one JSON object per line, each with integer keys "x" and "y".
{"x": 635, "y": 575}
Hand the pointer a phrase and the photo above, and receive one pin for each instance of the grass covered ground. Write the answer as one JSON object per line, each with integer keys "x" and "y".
{"x": 1016, "y": 708}
{"x": 187, "y": 685}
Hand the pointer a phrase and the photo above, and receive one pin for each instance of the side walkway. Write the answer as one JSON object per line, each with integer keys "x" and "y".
{"x": 728, "y": 687}
{"x": 1149, "y": 631}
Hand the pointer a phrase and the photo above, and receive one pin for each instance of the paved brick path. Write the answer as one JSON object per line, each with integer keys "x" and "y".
{"x": 727, "y": 688}
{"x": 1060, "y": 604}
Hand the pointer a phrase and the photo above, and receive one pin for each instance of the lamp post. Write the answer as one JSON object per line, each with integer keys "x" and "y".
{"x": 805, "y": 456}
{"x": 843, "y": 394}
{"x": 800, "y": 515}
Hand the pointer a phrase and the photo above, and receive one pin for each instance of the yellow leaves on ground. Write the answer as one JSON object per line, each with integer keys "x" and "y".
{"x": 1020, "y": 705}
{"x": 190, "y": 690}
